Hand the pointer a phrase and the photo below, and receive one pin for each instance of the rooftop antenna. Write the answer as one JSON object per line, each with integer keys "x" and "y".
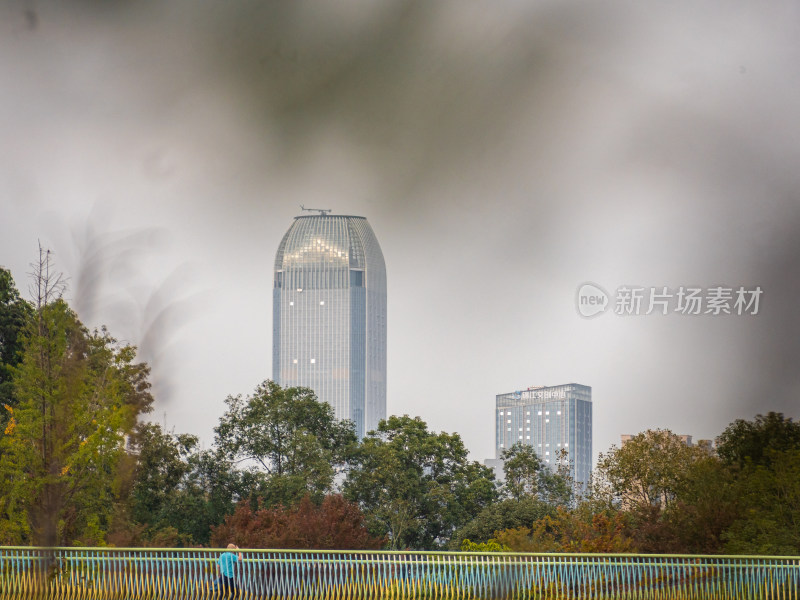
{"x": 322, "y": 211}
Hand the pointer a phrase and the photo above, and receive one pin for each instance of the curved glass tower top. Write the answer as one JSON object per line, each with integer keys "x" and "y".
{"x": 329, "y": 315}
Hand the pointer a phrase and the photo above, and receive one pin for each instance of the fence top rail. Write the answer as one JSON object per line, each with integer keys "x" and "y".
{"x": 400, "y": 553}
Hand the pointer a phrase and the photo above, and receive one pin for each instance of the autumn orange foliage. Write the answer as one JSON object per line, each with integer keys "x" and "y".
{"x": 571, "y": 531}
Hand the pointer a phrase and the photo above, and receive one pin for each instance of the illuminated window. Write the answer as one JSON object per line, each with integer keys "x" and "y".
{"x": 313, "y": 360}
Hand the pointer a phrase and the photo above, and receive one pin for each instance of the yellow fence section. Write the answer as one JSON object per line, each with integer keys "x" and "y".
{"x": 132, "y": 573}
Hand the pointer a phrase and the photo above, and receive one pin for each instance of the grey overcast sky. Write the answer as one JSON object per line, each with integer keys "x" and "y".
{"x": 503, "y": 152}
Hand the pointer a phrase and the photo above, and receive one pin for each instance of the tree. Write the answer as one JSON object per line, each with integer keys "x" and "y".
{"x": 335, "y": 524}
{"x": 291, "y": 436}
{"x": 527, "y": 475}
{"x": 706, "y": 503}
{"x": 161, "y": 468}
{"x": 521, "y": 466}
{"x": 416, "y": 487}
{"x": 756, "y": 441}
{"x": 78, "y": 396}
{"x": 763, "y": 456}
{"x": 15, "y": 314}
{"x": 499, "y": 516}
{"x": 163, "y": 506}
{"x": 770, "y": 517}
{"x": 578, "y": 530}
{"x": 647, "y": 470}
{"x": 210, "y": 492}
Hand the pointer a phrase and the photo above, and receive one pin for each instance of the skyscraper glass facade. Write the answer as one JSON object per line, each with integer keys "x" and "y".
{"x": 329, "y": 315}
{"x": 550, "y": 419}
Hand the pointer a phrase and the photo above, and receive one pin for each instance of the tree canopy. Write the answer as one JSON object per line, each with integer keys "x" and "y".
{"x": 527, "y": 476}
{"x": 335, "y": 524}
{"x": 648, "y": 469}
{"x": 415, "y": 486}
{"x": 15, "y": 315}
{"x": 78, "y": 466}
{"x": 291, "y": 436}
{"x": 78, "y": 397}
{"x": 757, "y": 441}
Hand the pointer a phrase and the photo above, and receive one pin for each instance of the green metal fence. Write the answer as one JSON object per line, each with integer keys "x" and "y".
{"x": 129, "y": 573}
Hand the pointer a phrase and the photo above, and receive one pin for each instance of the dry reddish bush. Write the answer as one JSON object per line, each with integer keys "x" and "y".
{"x": 336, "y": 524}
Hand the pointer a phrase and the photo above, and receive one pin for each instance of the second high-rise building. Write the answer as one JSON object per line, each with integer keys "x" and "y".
{"x": 329, "y": 315}
{"x": 555, "y": 420}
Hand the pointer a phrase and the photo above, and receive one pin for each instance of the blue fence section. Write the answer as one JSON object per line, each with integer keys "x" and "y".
{"x": 116, "y": 574}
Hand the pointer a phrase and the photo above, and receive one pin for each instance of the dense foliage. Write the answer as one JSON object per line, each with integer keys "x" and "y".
{"x": 78, "y": 465}
{"x": 415, "y": 486}
{"x": 335, "y": 524}
{"x": 77, "y": 396}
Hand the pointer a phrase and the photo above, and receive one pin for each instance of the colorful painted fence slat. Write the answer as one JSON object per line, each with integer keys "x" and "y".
{"x": 132, "y": 573}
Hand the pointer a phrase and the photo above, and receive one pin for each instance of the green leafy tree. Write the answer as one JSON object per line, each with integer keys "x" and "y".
{"x": 416, "y": 487}
{"x": 526, "y": 475}
{"x": 706, "y": 504}
{"x": 647, "y": 470}
{"x": 15, "y": 314}
{"x": 214, "y": 487}
{"x": 78, "y": 396}
{"x": 162, "y": 467}
{"x": 757, "y": 441}
{"x": 521, "y": 466}
{"x": 499, "y": 516}
{"x": 178, "y": 493}
{"x": 770, "y": 497}
{"x": 294, "y": 439}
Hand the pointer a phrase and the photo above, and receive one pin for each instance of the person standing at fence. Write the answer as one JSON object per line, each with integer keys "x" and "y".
{"x": 227, "y": 571}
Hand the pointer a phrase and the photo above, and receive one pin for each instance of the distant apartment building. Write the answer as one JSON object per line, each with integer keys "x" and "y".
{"x": 551, "y": 419}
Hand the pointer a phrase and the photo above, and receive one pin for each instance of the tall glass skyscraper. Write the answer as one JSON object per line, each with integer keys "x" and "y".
{"x": 551, "y": 419}
{"x": 329, "y": 315}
